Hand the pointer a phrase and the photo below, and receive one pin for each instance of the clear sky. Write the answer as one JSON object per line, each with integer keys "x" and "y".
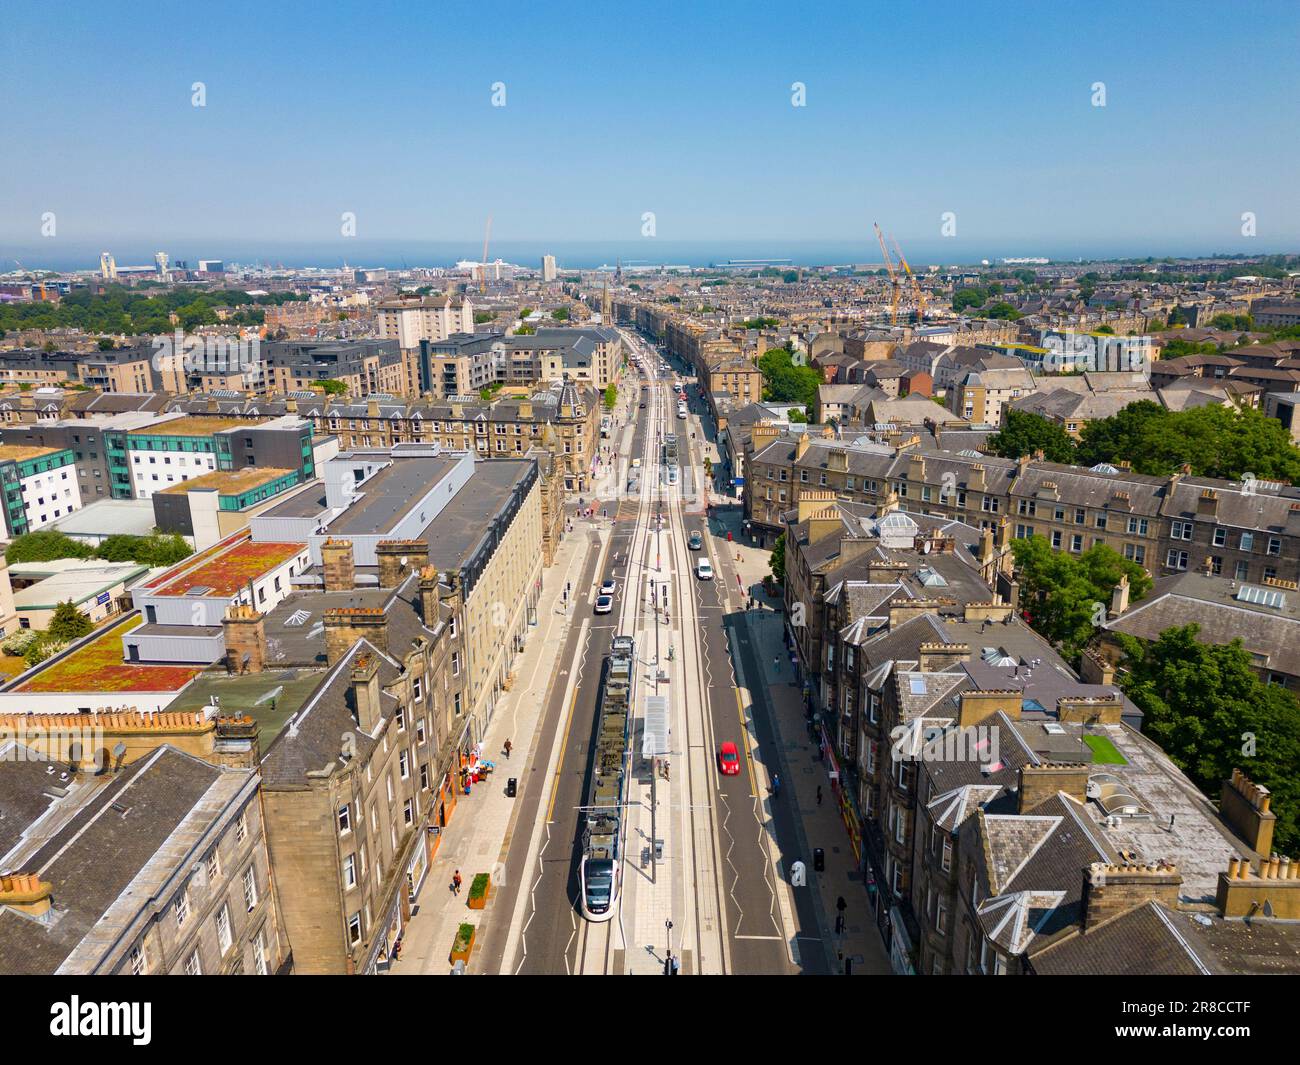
{"x": 681, "y": 109}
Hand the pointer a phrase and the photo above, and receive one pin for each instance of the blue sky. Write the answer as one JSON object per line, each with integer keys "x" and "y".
{"x": 684, "y": 110}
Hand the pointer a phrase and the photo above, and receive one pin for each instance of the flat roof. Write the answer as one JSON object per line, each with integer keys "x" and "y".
{"x": 229, "y": 482}
{"x": 107, "y": 516}
{"x": 462, "y": 523}
{"x": 270, "y": 698}
{"x": 394, "y": 490}
{"x": 226, "y": 573}
{"x": 22, "y": 452}
{"x": 195, "y": 425}
{"x": 83, "y": 579}
{"x": 97, "y": 666}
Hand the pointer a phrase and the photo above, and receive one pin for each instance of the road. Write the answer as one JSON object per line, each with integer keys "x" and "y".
{"x": 721, "y": 880}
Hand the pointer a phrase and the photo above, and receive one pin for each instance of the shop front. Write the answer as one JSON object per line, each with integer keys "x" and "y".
{"x": 844, "y": 798}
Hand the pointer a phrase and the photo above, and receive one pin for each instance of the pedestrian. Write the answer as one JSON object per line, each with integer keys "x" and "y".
{"x": 455, "y": 882}
{"x": 508, "y": 745}
{"x": 776, "y": 663}
{"x": 819, "y": 787}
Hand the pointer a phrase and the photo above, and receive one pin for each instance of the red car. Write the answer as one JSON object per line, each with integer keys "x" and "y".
{"x": 728, "y": 759}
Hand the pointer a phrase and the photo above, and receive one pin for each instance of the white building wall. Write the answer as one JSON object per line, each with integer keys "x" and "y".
{"x": 50, "y": 496}
{"x": 152, "y": 471}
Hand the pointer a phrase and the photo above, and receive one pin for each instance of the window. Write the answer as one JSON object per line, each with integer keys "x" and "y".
{"x": 250, "y": 888}
{"x": 1220, "y": 537}
{"x": 224, "y": 938}
{"x": 1176, "y": 560}
{"x": 417, "y": 689}
{"x": 1274, "y": 545}
{"x": 259, "y": 954}
{"x": 946, "y": 861}
{"x": 1076, "y": 543}
{"x": 350, "y": 872}
{"x": 408, "y": 812}
{"x": 1182, "y": 530}
{"x": 354, "y": 929}
{"x": 181, "y": 908}
{"x": 345, "y": 819}
{"x": 138, "y": 964}
{"x": 241, "y": 826}
{"x": 1248, "y": 541}
{"x": 213, "y": 866}
{"x": 192, "y": 966}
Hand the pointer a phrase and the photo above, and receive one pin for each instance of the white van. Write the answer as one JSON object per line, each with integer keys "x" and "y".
{"x": 704, "y": 569}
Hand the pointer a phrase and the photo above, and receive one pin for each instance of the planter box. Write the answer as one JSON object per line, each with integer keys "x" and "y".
{"x": 462, "y": 945}
{"x": 480, "y": 890}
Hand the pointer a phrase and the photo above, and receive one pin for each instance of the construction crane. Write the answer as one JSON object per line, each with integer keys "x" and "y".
{"x": 916, "y": 285}
{"x": 893, "y": 276}
{"x": 487, "y": 233}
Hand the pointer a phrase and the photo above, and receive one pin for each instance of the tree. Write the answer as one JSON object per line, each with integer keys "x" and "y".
{"x": 39, "y": 651}
{"x": 969, "y": 297}
{"x": 105, "y": 344}
{"x": 1209, "y": 711}
{"x": 1003, "y": 312}
{"x": 69, "y": 623}
{"x": 1066, "y": 596}
{"x": 611, "y": 396}
{"x": 44, "y": 546}
{"x": 1026, "y": 432}
{"x": 1215, "y": 441}
{"x": 560, "y": 314}
{"x": 333, "y": 388}
{"x": 777, "y": 560}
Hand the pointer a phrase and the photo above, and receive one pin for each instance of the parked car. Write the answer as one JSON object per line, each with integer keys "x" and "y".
{"x": 728, "y": 759}
{"x": 607, "y": 588}
{"x": 604, "y": 604}
{"x": 695, "y": 542}
{"x": 704, "y": 569}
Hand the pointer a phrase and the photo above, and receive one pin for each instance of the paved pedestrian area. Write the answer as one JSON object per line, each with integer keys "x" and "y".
{"x": 482, "y": 826}
{"x": 803, "y": 774}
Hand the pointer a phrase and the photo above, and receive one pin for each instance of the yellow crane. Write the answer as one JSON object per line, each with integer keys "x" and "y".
{"x": 893, "y": 276}
{"x": 482, "y": 279}
{"x": 917, "y": 293}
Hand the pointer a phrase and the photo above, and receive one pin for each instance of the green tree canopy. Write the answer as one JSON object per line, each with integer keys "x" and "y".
{"x": 69, "y": 623}
{"x": 1210, "y": 712}
{"x": 1215, "y": 441}
{"x": 777, "y": 560}
{"x": 785, "y": 382}
{"x": 1066, "y": 596}
{"x": 1025, "y": 432}
{"x": 45, "y": 545}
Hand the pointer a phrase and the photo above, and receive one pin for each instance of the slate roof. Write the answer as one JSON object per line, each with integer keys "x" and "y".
{"x": 93, "y": 859}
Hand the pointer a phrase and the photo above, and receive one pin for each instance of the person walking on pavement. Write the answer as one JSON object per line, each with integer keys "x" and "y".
{"x": 819, "y": 794}
{"x": 455, "y": 882}
{"x": 776, "y": 785}
{"x": 508, "y": 745}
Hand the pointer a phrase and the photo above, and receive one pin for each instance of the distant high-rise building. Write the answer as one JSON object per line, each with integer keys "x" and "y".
{"x": 212, "y": 266}
{"x": 548, "y": 267}
{"x": 161, "y": 259}
{"x": 108, "y": 266}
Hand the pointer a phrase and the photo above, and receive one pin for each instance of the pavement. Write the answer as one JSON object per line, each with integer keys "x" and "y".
{"x": 761, "y": 649}
{"x": 485, "y": 822}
